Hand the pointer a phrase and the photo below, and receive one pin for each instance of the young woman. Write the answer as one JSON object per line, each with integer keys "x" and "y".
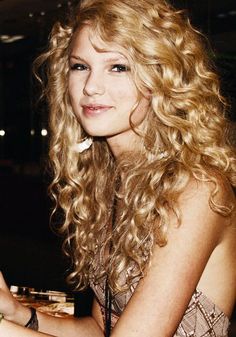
{"x": 143, "y": 173}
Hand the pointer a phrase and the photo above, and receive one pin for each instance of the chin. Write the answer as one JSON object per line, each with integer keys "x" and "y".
{"x": 96, "y": 130}
{"x": 96, "y": 133}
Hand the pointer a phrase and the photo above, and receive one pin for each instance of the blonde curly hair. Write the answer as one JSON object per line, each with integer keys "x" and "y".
{"x": 187, "y": 111}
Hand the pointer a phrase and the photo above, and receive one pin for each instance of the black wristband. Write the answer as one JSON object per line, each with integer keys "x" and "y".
{"x": 33, "y": 321}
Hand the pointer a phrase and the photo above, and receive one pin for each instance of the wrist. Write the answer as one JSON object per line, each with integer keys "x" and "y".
{"x": 21, "y": 314}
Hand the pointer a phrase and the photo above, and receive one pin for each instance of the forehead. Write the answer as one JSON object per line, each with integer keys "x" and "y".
{"x": 86, "y": 39}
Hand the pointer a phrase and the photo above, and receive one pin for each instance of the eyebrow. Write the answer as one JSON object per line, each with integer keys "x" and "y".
{"x": 107, "y": 60}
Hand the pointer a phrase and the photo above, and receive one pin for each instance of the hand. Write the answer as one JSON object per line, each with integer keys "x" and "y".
{"x": 11, "y": 309}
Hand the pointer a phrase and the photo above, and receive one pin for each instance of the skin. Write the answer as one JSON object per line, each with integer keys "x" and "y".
{"x": 104, "y": 78}
{"x": 200, "y": 252}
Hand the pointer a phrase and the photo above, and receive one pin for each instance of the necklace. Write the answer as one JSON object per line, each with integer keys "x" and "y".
{"x": 108, "y": 302}
{"x": 108, "y": 295}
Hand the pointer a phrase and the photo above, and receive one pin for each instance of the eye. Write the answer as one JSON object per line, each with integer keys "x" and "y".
{"x": 120, "y": 68}
{"x": 78, "y": 66}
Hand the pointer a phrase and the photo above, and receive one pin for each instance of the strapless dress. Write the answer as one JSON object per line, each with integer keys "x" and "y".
{"x": 202, "y": 317}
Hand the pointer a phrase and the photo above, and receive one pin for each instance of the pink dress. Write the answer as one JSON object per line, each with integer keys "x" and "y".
{"x": 202, "y": 318}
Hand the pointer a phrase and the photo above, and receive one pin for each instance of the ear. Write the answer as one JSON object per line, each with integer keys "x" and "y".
{"x": 147, "y": 94}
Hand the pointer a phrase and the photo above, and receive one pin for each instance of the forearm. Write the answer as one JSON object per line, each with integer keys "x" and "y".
{"x": 55, "y": 326}
{"x": 69, "y": 327}
{"x": 9, "y": 329}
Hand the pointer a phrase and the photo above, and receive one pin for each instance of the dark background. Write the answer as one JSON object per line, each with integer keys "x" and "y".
{"x": 30, "y": 254}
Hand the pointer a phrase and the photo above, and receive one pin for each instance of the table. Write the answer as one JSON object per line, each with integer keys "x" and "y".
{"x": 53, "y": 303}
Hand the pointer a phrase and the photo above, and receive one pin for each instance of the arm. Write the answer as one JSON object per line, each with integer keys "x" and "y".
{"x": 161, "y": 297}
{"x": 69, "y": 327}
{"x": 9, "y": 329}
{"x": 17, "y": 315}
{"x": 54, "y": 326}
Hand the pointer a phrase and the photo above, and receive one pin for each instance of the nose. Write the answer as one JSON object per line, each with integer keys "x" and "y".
{"x": 94, "y": 85}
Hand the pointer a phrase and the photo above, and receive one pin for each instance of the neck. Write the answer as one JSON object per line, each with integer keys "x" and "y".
{"x": 122, "y": 143}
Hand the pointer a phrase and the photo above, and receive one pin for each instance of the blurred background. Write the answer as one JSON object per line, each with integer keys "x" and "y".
{"x": 30, "y": 254}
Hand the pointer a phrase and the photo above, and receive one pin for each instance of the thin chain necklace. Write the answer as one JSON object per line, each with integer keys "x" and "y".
{"x": 108, "y": 302}
{"x": 108, "y": 294}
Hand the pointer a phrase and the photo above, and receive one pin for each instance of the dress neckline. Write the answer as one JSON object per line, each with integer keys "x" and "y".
{"x": 206, "y": 298}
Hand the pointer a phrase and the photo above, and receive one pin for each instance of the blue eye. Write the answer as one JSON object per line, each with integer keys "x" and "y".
{"x": 119, "y": 68}
{"x": 78, "y": 66}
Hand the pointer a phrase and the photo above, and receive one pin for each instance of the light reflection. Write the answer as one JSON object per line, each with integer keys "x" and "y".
{"x": 44, "y": 132}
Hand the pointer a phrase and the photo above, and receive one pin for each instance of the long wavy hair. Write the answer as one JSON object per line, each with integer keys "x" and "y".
{"x": 168, "y": 58}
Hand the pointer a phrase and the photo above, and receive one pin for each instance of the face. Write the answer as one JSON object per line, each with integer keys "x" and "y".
{"x": 102, "y": 91}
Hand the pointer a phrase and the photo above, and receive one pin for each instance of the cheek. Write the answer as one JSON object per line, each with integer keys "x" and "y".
{"x": 71, "y": 90}
{"x": 126, "y": 94}
{"x": 74, "y": 96}
{"x": 121, "y": 93}
{"x": 125, "y": 88}
{"x": 74, "y": 88}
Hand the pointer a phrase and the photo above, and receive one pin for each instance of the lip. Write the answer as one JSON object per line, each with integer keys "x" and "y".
{"x": 95, "y": 109}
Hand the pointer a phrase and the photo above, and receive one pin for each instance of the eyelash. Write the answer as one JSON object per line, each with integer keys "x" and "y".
{"x": 120, "y": 67}
{"x": 78, "y": 66}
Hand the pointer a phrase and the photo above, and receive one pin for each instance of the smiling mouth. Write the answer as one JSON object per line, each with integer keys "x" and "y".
{"x": 92, "y": 110}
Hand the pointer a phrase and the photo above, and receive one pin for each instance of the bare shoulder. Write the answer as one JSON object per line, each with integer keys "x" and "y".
{"x": 219, "y": 188}
{"x": 208, "y": 203}
{"x": 207, "y": 230}
{"x": 218, "y": 279}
